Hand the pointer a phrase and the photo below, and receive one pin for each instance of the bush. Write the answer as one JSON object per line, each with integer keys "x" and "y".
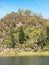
{"x": 7, "y": 42}
{"x": 30, "y": 45}
{"x": 35, "y": 50}
{"x": 21, "y": 35}
{"x": 47, "y": 43}
{"x": 12, "y": 38}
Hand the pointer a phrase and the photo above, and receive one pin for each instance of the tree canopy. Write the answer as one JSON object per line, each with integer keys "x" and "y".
{"x": 24, "y": 22}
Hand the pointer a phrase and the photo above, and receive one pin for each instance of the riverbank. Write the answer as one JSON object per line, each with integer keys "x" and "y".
{"x": 10, "y": 54}
{"x": 21, "y": 52}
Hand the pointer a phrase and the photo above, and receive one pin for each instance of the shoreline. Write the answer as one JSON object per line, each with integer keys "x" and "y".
{"x": 11, "y": 54}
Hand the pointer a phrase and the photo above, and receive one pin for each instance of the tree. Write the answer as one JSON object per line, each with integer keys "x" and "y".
{"x": 12, "y": 38}
{"x": 47, "y": 28}
{"x": 27, "y": 13}
{"x": 47, "y": 40}
{"x": 21, "y": 35}
{"x": 41, "y": 39}
{"x": 20, "y": 12}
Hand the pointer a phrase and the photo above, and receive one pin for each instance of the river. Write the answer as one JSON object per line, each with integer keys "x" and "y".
{"x": 32, "y": 60}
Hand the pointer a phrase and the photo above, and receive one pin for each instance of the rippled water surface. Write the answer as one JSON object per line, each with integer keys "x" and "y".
{"x": 33, "y": 60}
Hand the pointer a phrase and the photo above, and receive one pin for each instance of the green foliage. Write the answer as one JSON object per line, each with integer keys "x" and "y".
{"x": 30, "y": 45}
{"x": 36, "y": 29}
{"x": 20, "y": 12}
{"x": 47, "y": 43}
{"x": 47, "y": 28}
{"x": 42, "y": 39}
{"x": 7, "y": 42}
{"x": 12, "y": 38}
{"x": 35, "y": 50}
{"x": 21, "y": 35}
{"x": 27, "y": 12}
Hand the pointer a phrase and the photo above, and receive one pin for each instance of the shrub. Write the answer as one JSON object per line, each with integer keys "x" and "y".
{"x": 12, "y": 38}
{"x": 7, "y": 42}
{"x": 21, "y": 35}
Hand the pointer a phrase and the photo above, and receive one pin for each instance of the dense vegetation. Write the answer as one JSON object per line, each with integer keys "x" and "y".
{"x": 24, "y": 29}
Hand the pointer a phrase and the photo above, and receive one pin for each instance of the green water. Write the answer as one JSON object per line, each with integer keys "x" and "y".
{"x": 24, "y": 60}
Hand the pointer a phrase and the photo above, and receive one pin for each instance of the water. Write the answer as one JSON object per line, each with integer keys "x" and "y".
{"x": 24, "y": 60}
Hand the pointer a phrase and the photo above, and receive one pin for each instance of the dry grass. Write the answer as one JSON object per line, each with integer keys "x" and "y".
{"x": 24, "y": 54}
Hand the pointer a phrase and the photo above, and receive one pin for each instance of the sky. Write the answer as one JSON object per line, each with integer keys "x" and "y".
{"x": 36, "y": 6}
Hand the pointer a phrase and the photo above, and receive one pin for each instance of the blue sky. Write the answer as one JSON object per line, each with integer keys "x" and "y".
{"x": 36, "y": 6}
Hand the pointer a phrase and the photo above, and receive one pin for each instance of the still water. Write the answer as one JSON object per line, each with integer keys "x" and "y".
{"x": 33, "y": 60}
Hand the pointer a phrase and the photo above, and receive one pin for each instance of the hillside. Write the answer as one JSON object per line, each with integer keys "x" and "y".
{"x": 35, "y": 28}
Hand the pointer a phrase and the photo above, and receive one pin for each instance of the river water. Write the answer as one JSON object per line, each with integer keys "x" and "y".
{"x": 32, "y": 60}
